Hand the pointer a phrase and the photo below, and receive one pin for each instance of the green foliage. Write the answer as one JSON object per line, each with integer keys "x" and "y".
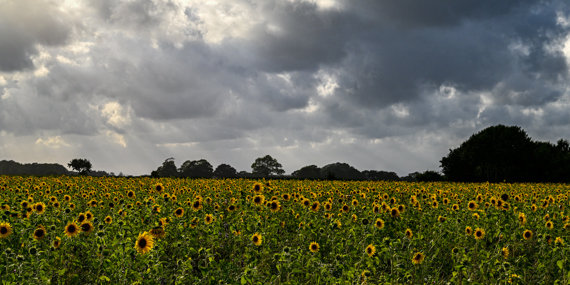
{"x": 267, "y": 165}
{"x": 82, "y": 165}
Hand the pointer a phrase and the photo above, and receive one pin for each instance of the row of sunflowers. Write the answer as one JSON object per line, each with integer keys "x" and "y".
{"x": 87, "y": 230}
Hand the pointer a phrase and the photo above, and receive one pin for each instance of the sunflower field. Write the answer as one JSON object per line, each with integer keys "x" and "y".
{"x": 87, "y": 230}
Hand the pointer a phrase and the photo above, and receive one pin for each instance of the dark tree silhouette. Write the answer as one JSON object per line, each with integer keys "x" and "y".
{"x": 341, "y": 170}
{"x": 307, "y": 172}
{"x": 267, "y": 165}
{"x": 225, "y": 171}
{"x": 82, "y": 165}
{"x": 500, "y": 153}
{"x": 168, "y": 168}
{"x": 196, "y": 169}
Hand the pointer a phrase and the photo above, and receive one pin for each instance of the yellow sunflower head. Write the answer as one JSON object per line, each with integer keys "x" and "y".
{"x": 370, "y": 250}
{"x": 256, "y": 239}
{"x": 144, "y": 243}
{"x": 314, "y": 247}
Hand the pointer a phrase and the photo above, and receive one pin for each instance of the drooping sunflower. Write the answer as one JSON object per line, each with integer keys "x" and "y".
{"x": 40, "y": 233}
{"x": 379, "y": 223}
{"x": 179, "y": 212}
{"x": 479, "y": 234}
{"x": 418, "y": 258}
{"x": 476, "y": 216}
{"x": 108, "y": 219}
{"x": 208, "y": 219}
{"x": 86, "y": 227}
{"x": 370, "y": 250}
{"x": 157, "y": 232}
{"x": 256, "y": 239}
{"x": 527, "y": 234}
{"x": 468, "y": 231}
{"x": 314, "y": 247}
{"x": 409, "y": 234}
{"x": 144, "y": 243}
{"x": 5, "y": 230}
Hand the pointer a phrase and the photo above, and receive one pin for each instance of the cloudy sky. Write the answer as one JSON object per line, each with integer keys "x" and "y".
{"x": 378, "y": 84}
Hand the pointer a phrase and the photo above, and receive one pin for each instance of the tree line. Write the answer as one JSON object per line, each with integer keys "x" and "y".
{"x": 268, "y": 167}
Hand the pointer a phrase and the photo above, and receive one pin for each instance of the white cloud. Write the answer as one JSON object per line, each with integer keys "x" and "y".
{"x": 53, "y": 142}
{"x": 117, "y": 138}
{"x": 116, "y": 115}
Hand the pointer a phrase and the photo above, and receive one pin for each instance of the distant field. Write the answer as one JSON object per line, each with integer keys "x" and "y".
{"x": 81, "y": 230}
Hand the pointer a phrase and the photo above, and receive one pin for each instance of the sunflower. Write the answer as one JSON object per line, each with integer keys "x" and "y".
{"x": 468, "y": 231}
{"x": 379, "y": 224}
{"x": 549, "y": 225}
{"x": 108, "y": 219}
{"x": 67, "y": 198}
{"x": 505, "y": 252}
{"x": 441, "y": 219}
{"x": 418, "y": 258}
{"x": 472, "y": 205}
{"x": 314, "y": 247}
{"x": 315, "y": 206}
{"x": 40, "y": 233}
{"x": 409, "y": 233}
{"x": 275, "y": 206}
{"x": 157, "y": 232}
{"x": 345, "y": 208}
{"x": 156, "y": 208}
{"x": 56, "y": 242}
{"x": 40, "y": 207}
{"x": 208, "y": 219}
{"x": 24, "y": 204}
{"x": 179, "y": 212}
{"x": 258, "y": 200}
{"x": 455, "y": 207}
{"x": 434, "y": 205}
{"x": 479, "y": 234}
{"x": 86, "y": 227}
{"x": 476, "y": 216}
{"x": 89, "y": 216}
{"x": 256, "y": 239}
{"x": 559, "y": 240}
{"x": 131, "y": 194}
{"x": 306, "y": 202}
{"x": 158, "y": 187}
{"x": 546, "y": 217}
{"x": 81, "y": 218}
{"x": 231, "y": 208}
{"x": 5, "y": 230}
{"x": 163, "y": 222}
{"x": 144, "y": 243}
{"x": 370, "y": 250}
{"x": 548, "y": 239}
{"x": 394, "y": 212}
{"x": 522, "y": 219}
{"x": 533, "y": 207}
{"x": 527, "y": 234}
{"x": 257, "y": 188}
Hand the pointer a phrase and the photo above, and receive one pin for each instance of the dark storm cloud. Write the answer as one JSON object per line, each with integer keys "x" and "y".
{"x": 25, "y": 23}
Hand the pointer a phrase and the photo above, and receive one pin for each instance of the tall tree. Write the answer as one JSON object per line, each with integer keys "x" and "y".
{"x": 168, "y": 168}
{"x": 80, "y": 164}
{"x": 267, "y": 165}
{"x": 196, "y": 169}
{"x": 225, "y": 171}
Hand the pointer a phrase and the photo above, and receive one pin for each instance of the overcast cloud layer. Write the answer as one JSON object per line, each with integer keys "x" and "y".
{"x": 385, "y": 85}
